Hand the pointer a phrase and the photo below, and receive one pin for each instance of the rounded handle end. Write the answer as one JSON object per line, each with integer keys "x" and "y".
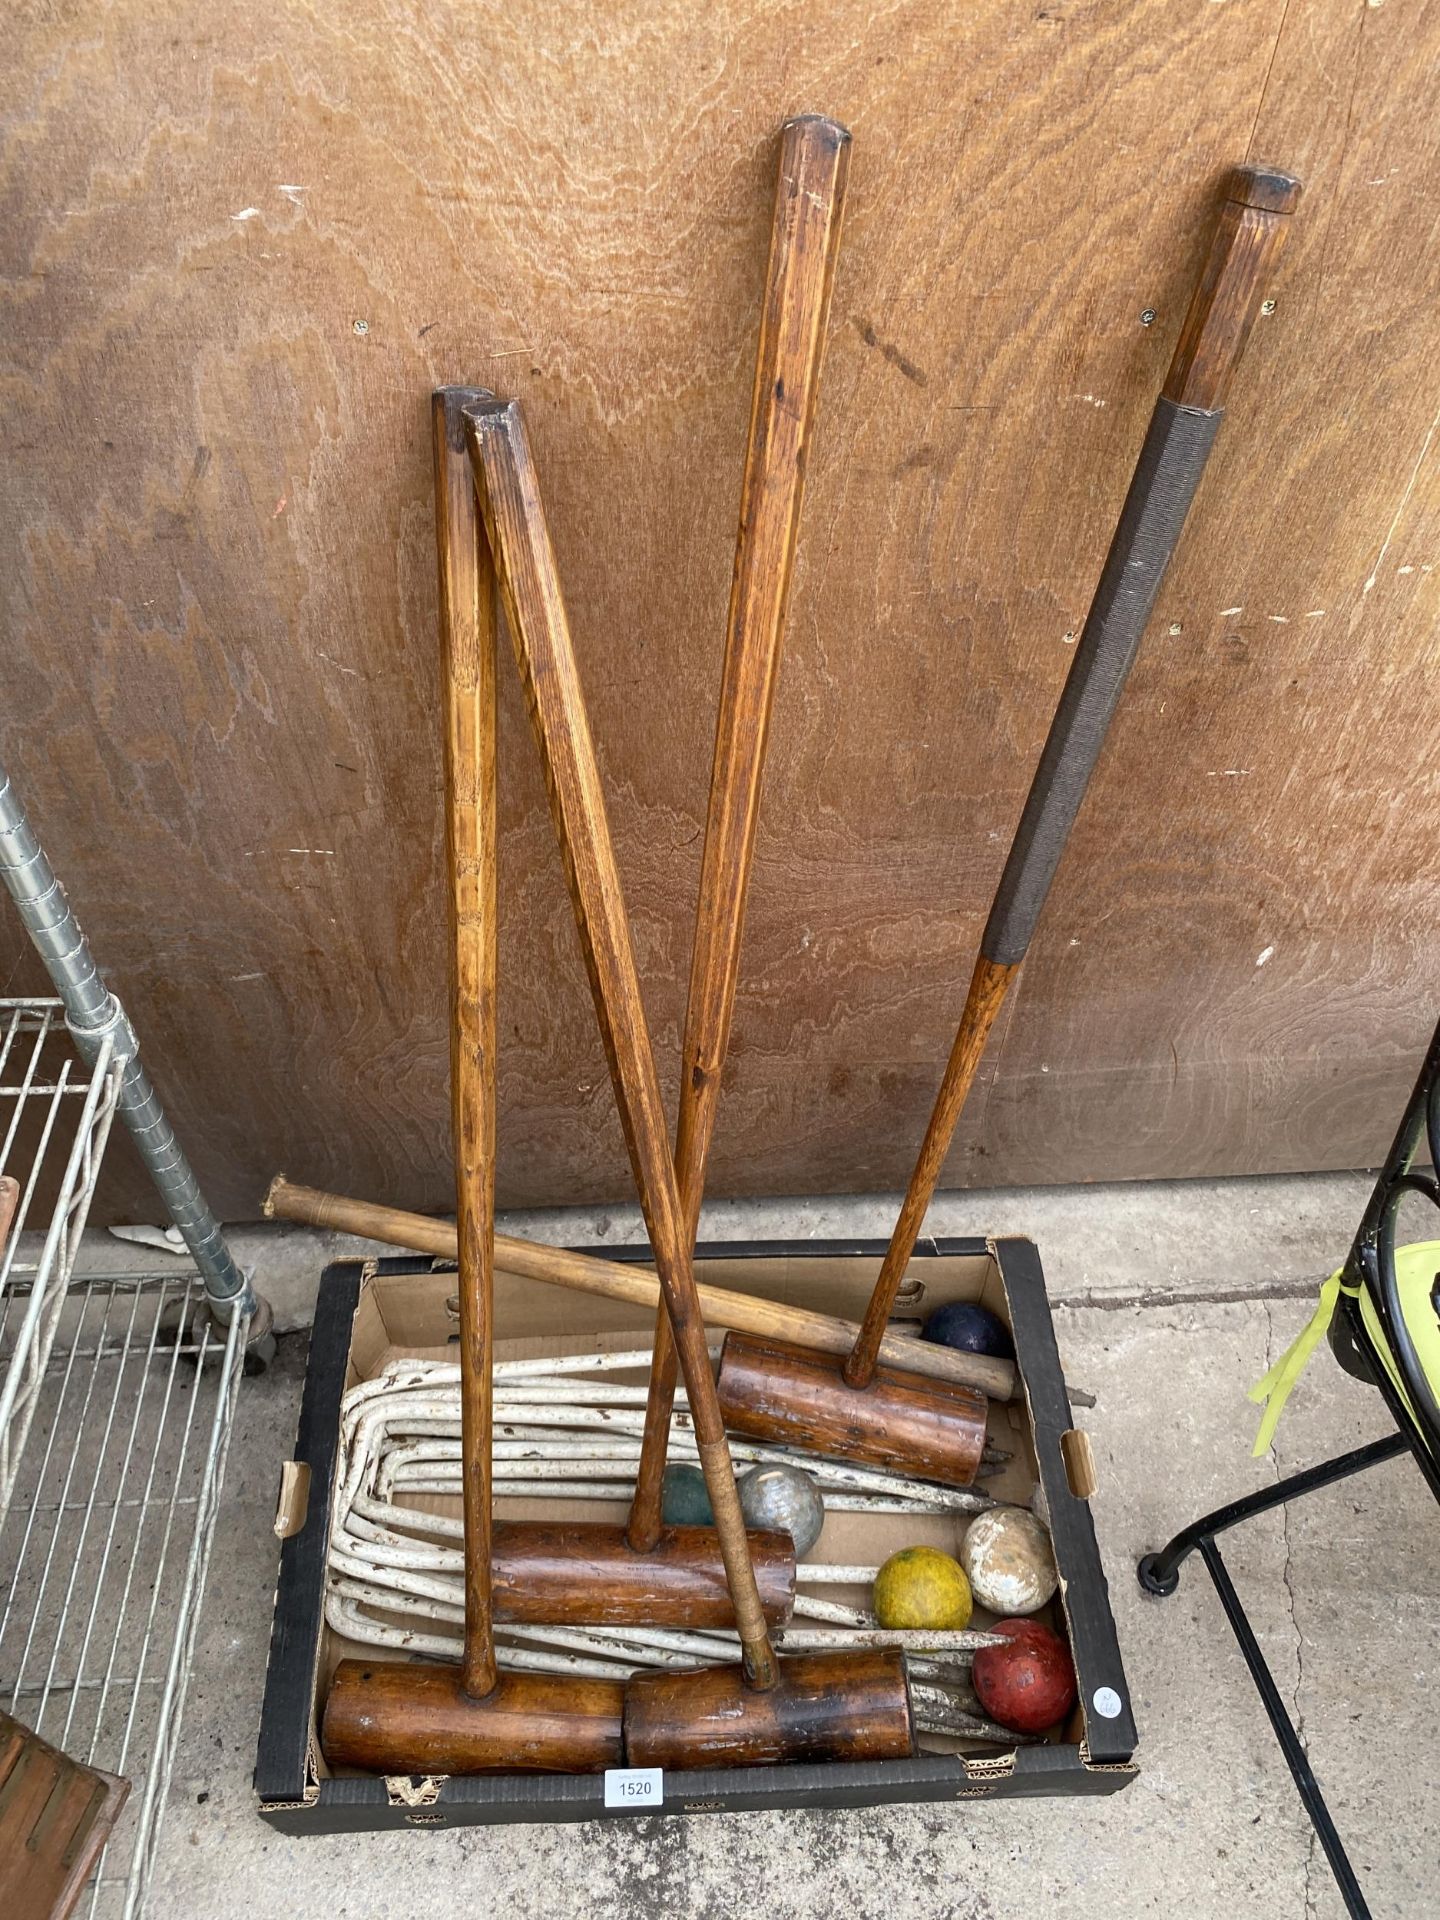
{"x": 449, "y": 405}
{"x": 485, "y": 410}
{"x": 1266, "y": 189}
{"x": 817, "y": 128}
{"x": 1248, "y": 237}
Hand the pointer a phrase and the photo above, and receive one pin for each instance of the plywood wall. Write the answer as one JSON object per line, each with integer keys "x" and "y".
{"x": 242, "y": 243}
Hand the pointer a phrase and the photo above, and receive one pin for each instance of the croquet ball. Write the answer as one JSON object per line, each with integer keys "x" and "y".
{"x": 922, "y": 1587}
{"x": 683, "y": 1499}
{"x": 970, "y": 1329}
{"x": 1009, "y": 1561}
{"x": 1029, "y": 1684}
{"x": 786, "y": 1500}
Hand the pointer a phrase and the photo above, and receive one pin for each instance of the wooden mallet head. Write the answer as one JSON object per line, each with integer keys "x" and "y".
{"x": 775, "y": 1391}
{"x": 822, "y": 1707}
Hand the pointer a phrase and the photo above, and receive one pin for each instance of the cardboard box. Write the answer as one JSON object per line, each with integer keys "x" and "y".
{"x": 368, "y": 1312}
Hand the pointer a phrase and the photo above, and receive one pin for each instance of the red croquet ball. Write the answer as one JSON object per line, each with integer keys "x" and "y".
{"x": 1028, "y": 1685}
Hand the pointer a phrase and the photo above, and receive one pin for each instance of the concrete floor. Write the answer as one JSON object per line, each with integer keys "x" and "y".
{"x": 1169, "y": 1301}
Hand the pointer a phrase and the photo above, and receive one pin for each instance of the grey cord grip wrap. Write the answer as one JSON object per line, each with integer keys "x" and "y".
{"x": 1167, "y": 473}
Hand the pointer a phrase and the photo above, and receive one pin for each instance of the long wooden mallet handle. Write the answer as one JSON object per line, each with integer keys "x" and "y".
{"x": 633, "y": 1286}
{"x": 535, "y": 612}
{"x": 467, "y": 638}
{"x": 804, "y": 242}
{"x": 1247, "y": 239}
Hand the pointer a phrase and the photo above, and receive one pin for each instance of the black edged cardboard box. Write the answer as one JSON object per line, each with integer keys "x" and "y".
{"x": 368, "y": 1312}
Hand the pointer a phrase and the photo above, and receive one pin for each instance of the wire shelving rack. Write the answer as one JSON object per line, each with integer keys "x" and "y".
{"x": 117, "y": 1393}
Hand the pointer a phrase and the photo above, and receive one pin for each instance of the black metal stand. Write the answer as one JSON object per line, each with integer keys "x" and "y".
{"x": 1370, "y": 1269}
{"x": 1159, "y": 1574}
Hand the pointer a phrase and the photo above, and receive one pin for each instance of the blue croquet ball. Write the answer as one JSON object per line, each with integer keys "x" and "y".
{"x": 969, "y": 1329}
{"x": 683, "y": 1499}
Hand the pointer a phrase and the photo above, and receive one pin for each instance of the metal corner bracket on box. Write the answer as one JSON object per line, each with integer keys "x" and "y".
{"x": 97, "y": 1021}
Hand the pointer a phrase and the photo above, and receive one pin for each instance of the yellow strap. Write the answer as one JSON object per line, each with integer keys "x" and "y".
{"x": 1274, "y": 1390}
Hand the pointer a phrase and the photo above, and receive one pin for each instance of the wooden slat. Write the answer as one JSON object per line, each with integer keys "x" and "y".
{"x": 55, "y": 1816}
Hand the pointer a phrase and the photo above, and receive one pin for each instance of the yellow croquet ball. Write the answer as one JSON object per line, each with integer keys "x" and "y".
{"x": 922, "y": 1587}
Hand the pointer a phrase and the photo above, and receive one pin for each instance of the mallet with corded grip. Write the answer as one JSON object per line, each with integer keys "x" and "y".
{"x": 846, "y": 1707}
{"x": 774, "y": 1391}
{"x": 588, "y": 1572}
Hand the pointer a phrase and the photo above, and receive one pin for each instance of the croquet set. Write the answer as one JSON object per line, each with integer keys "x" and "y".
{"x": 523, "y": 1578}
{"x": 373, "y": 1321}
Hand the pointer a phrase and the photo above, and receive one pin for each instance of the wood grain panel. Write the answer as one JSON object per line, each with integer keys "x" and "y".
{"x": 238, "y": 254}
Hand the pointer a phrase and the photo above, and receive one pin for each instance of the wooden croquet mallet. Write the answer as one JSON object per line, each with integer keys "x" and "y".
{"x": 804, "y": 242}
{"x": 389, "y": 1717}
{"x": 586, "y": 1573}
{"x": 863, "y": 1707}
{"x": 1251, "y": 229}
{"x": 778, "y": 1392}
{"x": 610, "y": 1280}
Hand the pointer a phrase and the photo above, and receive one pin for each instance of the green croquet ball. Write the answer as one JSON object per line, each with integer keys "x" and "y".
{"x": 922, "y": 1587}
{"x": 683, "y": 1499}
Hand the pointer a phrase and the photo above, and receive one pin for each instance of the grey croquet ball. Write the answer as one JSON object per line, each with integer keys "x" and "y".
{"x": 786, "y": 1500}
